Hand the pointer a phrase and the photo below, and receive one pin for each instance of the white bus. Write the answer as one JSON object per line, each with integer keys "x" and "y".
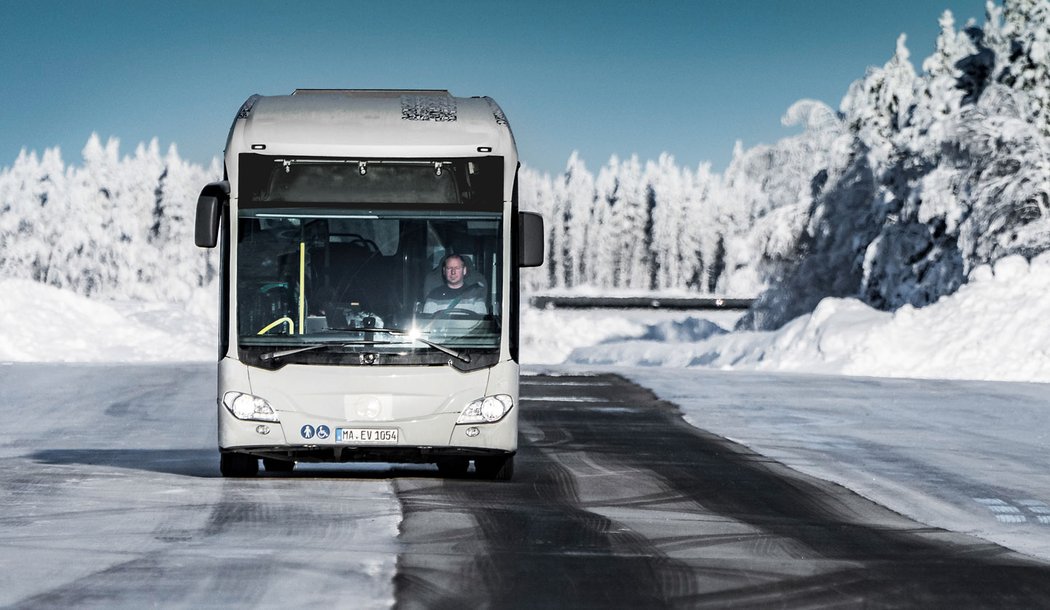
{"x": 370, "y": 244}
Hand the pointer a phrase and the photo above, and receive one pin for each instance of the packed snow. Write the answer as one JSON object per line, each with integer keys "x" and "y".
{"x": 45, "y": 324}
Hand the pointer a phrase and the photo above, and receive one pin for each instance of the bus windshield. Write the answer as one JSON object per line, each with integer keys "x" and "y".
{"x": 389, "y": 285}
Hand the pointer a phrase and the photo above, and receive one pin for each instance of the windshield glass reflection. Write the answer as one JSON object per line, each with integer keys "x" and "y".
{"x": 323, "y": 276}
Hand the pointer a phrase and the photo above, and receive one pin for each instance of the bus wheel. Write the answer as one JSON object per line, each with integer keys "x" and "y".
{"x": 495, "y": 468}
{"x": 453, "y": 468}
{"x": 238, "y": 465}
{"x": 274, "y": 465}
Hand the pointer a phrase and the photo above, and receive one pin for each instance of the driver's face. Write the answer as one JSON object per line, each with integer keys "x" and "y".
{"x": 454, "y": 271}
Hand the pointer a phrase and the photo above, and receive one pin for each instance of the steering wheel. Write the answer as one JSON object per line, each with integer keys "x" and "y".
{"x": 368, "y": 243}
{"x": 456, "y": 313}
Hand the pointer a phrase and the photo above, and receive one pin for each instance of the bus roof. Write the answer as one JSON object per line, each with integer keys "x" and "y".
{"x": 371, "y": 123}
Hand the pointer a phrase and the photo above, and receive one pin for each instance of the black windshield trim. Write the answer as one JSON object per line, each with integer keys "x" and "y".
{"x": 256, "y": 169}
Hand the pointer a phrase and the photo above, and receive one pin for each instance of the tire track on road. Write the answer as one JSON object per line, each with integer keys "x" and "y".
{"x": 590, "y": 521}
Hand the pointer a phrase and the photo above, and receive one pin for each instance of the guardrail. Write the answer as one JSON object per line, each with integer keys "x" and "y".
{"x": 583, "y": 302}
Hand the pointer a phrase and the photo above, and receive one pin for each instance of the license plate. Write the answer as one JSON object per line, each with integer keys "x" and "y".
{"x": 386, "y": 436}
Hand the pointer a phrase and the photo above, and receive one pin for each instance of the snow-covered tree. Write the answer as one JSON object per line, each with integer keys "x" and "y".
{"x": 114, "y": 226}
{"x": 947, "y": 170}
{"x": 672, "y": 241}
{"x": 1027, "y": 67}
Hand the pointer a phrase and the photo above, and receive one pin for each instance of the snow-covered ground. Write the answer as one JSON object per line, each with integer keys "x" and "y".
{"x": 960, "y": 455}
{"x": 41, "y": 323}
{"x": 993, "y": 328}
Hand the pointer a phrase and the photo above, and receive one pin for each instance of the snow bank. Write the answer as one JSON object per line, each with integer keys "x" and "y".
{"x": 550, "y": 336}
{"x": 41, "y": 323}
{"x": 993, "y": 328}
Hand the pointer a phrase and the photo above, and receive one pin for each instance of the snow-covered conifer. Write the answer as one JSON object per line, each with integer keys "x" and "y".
{"x": 1027, "y": 67}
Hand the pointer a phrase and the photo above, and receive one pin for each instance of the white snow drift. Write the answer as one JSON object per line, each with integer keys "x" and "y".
{"x": 993, "y": 328}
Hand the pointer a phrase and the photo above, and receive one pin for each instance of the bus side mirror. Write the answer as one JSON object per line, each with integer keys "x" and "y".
{"x": 530, "y": 239}
{"x": 209, "y": 209}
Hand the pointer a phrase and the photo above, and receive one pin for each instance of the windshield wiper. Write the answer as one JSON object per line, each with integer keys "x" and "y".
{"x": 404, "y": 333}
{"x": 393, "y": 331}
{"x": 307, "y": 348}
{"x": 289, "y": 352}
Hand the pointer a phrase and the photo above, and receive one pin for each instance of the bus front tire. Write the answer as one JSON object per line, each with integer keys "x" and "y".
{"x": 495, "y": 468}
{"x": 238, "y": 465}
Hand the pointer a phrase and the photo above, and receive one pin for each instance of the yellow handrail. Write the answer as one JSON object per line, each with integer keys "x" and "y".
{"x": 302, "y": 288}
{"x": 291, "y": 325}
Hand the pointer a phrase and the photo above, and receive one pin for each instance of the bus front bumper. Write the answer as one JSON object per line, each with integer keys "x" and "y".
{"x": 311, "y": 438}
{"x": 389, "y": 454}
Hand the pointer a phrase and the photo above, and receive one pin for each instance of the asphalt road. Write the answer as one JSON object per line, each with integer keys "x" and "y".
{"x": 618, "y": 503}
{"x": 110, "y": 497}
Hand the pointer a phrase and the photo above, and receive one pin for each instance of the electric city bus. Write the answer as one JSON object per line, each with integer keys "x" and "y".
{"x": 369, "y": 246}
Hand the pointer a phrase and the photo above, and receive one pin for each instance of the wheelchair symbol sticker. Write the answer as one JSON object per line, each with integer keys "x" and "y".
{"x": 323, "y": 432}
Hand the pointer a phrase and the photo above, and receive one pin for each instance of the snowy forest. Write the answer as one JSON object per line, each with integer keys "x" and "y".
{"x": 916, "y": 179}
{"x": 112, "y": 227}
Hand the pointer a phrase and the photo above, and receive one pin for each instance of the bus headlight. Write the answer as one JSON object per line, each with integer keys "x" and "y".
{"x": 248, "y": 407}
{"x": 486, "y": 410}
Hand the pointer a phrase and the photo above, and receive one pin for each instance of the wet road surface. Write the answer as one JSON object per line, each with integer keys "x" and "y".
{"x": 111, "y": 497}
{"x": 617, "y": 502}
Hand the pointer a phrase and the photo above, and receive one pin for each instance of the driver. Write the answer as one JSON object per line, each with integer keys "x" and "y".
{"x": 457, "y": 293}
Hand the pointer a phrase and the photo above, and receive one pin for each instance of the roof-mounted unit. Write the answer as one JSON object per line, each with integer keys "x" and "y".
{"x": 372, "y": 92}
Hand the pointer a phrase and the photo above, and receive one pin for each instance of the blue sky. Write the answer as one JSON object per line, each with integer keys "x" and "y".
{"x": 603, "y": 78}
